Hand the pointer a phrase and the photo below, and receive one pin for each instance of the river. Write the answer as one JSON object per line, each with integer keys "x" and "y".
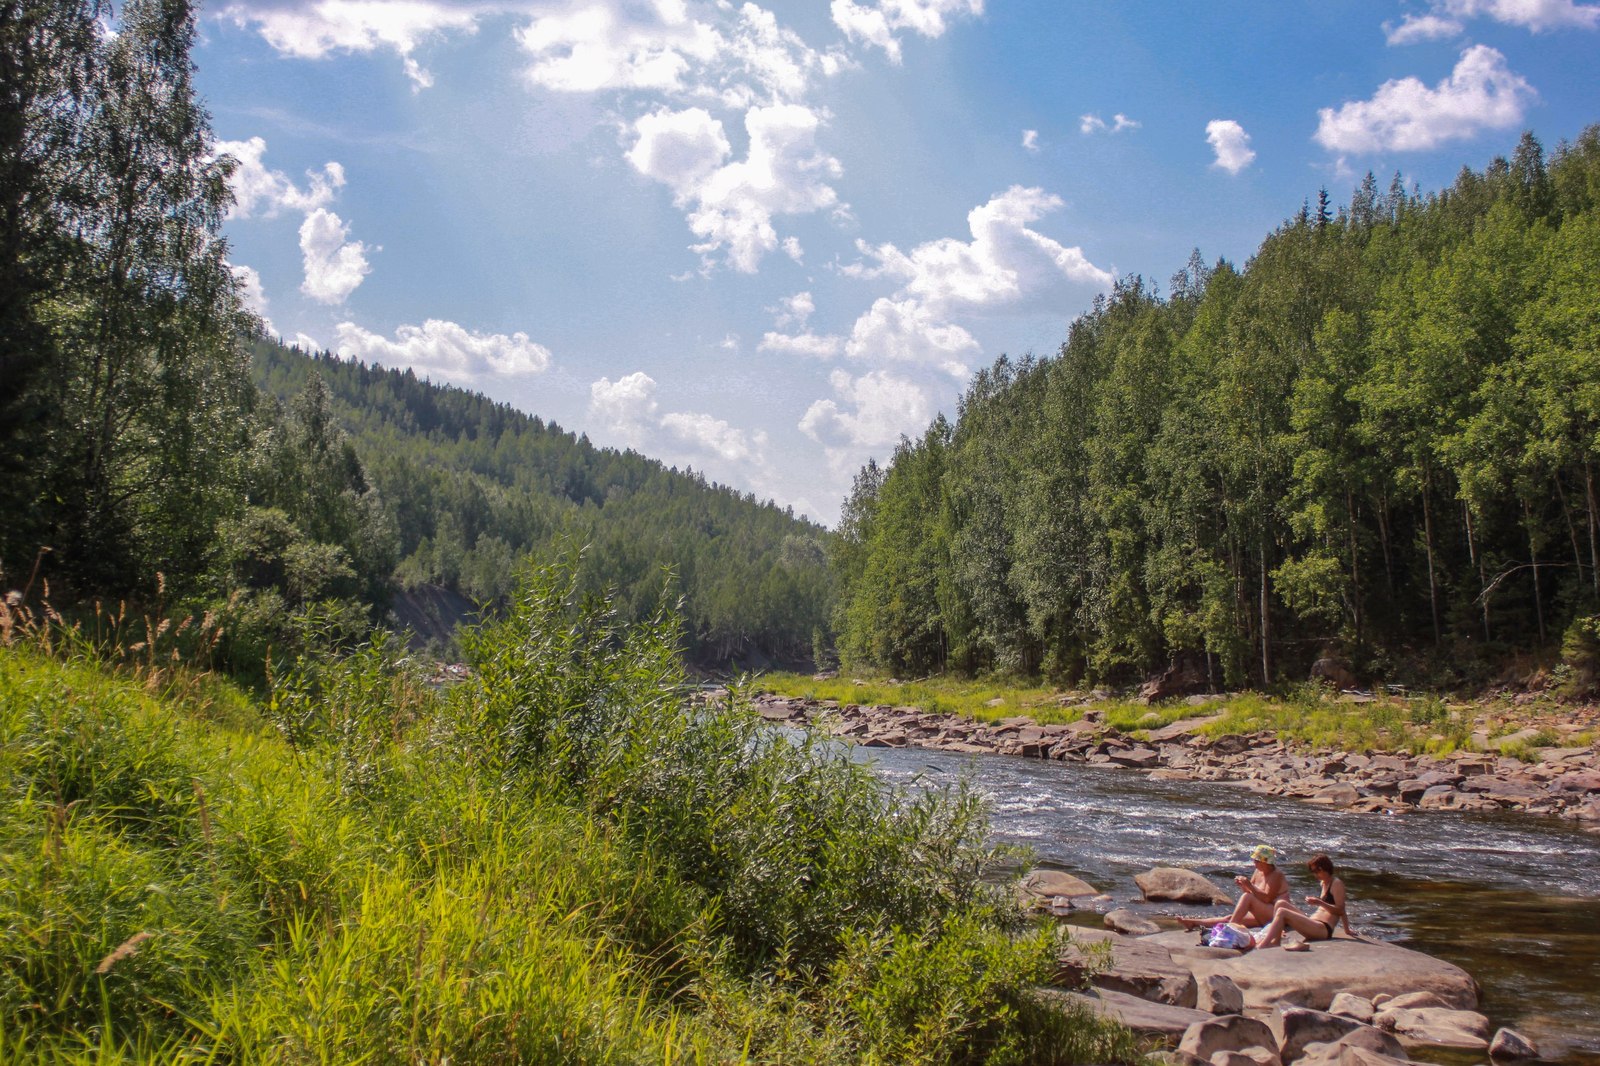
{"x": 1513, "y": 899}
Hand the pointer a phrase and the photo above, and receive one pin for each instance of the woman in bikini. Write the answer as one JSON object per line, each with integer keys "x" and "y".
{"x": 1319, "y": 924}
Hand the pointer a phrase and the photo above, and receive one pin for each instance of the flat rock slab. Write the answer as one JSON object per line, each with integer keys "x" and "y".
{"x": 1138, "y": 968}
{"x": 1183, "y": 728}
{"x": 1311, "y": 978}
{"x": 1142, "y": 1016}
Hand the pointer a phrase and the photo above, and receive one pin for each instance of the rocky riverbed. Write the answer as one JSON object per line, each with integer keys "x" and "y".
{"x": 1564, "y": 781}
{"x": 1341, "y": 1002}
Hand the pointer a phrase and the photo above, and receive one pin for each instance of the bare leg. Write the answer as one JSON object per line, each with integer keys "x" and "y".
{"x": 1289, "y": 918}
{"x": 1251, "y": 911}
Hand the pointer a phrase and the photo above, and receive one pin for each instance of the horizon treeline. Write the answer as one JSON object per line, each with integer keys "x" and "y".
{"x": 140, "y": 460}
{"x": 1380, "y": 437}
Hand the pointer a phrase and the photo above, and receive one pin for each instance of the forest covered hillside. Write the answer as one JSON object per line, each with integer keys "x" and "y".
{"x": 471, "y": 486}
{"x": 1379, "y": 437}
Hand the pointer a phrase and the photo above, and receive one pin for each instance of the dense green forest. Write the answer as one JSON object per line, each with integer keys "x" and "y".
{"x": 154, "y": 446}
{"x": 1379, "y": 436}
{"x": 469, "y": 487}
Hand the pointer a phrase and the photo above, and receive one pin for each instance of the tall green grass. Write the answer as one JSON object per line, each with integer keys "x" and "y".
{"x": 555, "y": 861}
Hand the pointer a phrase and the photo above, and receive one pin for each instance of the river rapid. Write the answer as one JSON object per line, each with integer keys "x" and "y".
{"x": 1512, "y": 898}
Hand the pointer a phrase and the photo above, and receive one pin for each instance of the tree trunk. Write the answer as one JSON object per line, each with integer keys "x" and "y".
{"x": 1427, "y": 543}
{"x": 1594, "y": 542}
{"x": 1533, "y": 555}
{"x": 1266, "y": 622}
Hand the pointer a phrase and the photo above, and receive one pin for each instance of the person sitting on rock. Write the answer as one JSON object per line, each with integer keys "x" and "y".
{"x": 1318, "y": 925}
{"x": 1261, "y": 892}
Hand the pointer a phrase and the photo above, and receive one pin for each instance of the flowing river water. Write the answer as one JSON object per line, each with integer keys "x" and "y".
{"x": 1511, "y": 898}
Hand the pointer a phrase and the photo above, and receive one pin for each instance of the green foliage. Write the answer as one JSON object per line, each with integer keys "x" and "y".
{"x": 577, "y": 865}
{"x": 1381, "y": 435}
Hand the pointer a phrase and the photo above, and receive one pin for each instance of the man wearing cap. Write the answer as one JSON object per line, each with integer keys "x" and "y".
{"x": 1261, "y": 890}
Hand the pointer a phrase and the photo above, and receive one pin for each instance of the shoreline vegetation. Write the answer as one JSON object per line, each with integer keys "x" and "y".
{"x": 556, "y": 859}
{"x": 1385, "y": 753}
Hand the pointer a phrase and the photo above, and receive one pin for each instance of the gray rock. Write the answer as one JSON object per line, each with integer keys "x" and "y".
{"x": 1047, "y": 884}
{"x": 1510, "y": 1044}
{"x": 1435, "y": 1027}
{"x": 1233, "y": 1032}
{"x": 1125, "y": 921}
{"x": 1344, "y": 1051}
{"x": 1254, "y": 1056}
{"x": 1167, "y": 883}
{"x": 1142, "y": 1016}
{"x": 1343, "y": 964}
{"x": 1296, "y": 1028}
{"x": 1352, "y": 1006}
{"x": 1414, "y": 1000}
{"x": 1215, "y": 994}
{"x": 1137, "y": 967}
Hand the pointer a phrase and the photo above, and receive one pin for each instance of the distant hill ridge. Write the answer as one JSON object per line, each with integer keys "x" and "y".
{"x": 473, "y": 485}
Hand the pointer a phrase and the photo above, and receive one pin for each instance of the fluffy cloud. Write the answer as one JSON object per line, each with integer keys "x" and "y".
{"x": 313, "y": 29}
{"x": 703, "y": 433}
{"x": 1405, "y": 115}
{"x": 1092, "y": 123}
{"x": 909, "y": 331}
{"x": 1005, "y": 261}
{"x": 877, "y": 22}
{"x": 251, "y": 293}
{"x": 730, "y": 205}
{"x": 1030, "y": 140}
{"x": 335, "y": 265}
{"x": 446, "y": 350}
{"x": 738, "y": 57}
{"x": 1231, "y": 143}
{"x": 1414, "y": 28}
{"x": 870, "y": 411}
{"x": 1536, "y": 15}
{"x": 256, "y": 189}
{"x": 807, "y": 344}
{"x": 628, "y": 408}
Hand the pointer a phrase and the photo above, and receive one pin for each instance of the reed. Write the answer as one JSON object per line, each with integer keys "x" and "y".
{"x": 558, "y": 861}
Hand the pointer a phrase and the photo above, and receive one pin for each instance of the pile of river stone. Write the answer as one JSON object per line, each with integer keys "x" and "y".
{"x": 1343, "y": 1002}
{"x": 1564, "y": 781}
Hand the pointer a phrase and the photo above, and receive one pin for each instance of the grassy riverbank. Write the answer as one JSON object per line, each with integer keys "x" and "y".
{"x": 551, "y": 862}
{"x": 1311, "y": 716}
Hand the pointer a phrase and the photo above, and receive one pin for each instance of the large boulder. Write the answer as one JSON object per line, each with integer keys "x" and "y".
{"x": 1436, "y": 1027}
{"x": 1218, "y": 995}
{"x": 1231, "y": 1032}
{"x": 1171, "y": 884}
{"x": 1510, "y": 1044}
{"x": 1296, "y": 1028}
{"x": 1047, "y": 884}
{"x": 1161, "y": 1020}
{"x": 1125, "y": 921}
{"x": 1311, "y": 978}
{"x": 1137, "y": 967}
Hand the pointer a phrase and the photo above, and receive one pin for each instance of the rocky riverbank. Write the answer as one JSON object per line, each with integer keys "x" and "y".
{"x": 1563, "y": 781}
{"x": 1342, "y": 1002}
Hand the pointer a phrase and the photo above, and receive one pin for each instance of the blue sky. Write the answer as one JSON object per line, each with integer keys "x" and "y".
{"x": 765, "y": 241}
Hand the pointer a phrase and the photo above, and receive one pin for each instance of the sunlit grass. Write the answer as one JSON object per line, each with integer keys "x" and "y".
{"x": 1306, "y": 716}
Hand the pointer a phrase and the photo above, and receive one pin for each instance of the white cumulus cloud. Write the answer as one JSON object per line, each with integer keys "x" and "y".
{"x": 1006, "y": 260}
{"x": 314, "y": 29}
{"x": 1536, "y": 15}
{"x": 731, "y": 205}
{"x": 627, "y": 406}
{"x": 251, "y": 292}
{"x": 878, "y": 21}
{"x": 1414, "y": 28}
{"x": 445, "y": 349}
{"x": 1406, "y": 115}
{"x": 335, "y": 265}
{"x": 1231, "y": 144}
{"x": 257, "y": 189}
{"x": 705, "y": 433}
{"x": 1030, "y": 140}
{"x": 869, "y": 411}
